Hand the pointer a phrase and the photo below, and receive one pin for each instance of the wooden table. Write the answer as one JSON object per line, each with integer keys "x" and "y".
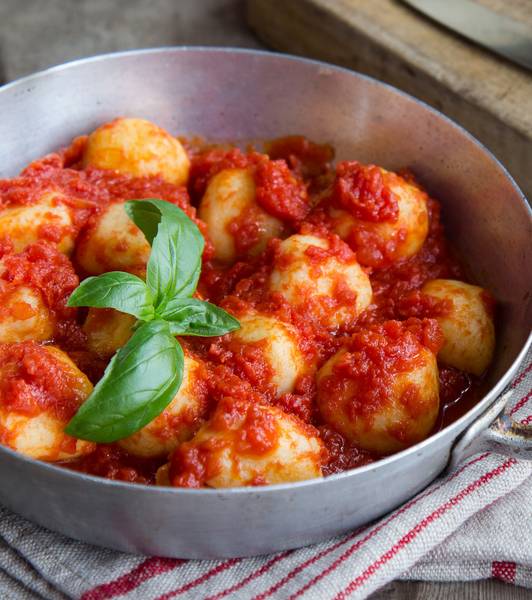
{"x": 34, "y": 35}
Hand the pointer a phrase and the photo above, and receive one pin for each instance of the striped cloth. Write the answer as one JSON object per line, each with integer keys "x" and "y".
{"x": 475, "y": 523}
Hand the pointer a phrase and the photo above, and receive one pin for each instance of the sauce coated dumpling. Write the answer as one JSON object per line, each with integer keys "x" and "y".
{"x": 48, "y": 219}
{"x": 466, "y": 322}
{"x": 246, "y": 444}
{"x": 381, "y": 390}
{"x": 322, "y": 275}
{"x": 40, "y": 391}
{"x": 179, "y": 420}
{"x": 272, "y": 346}
{"x": 23, "y": 314}
{"x": 112, "y": 242}
{"x": 107, "y": 330}
{"x": 137, "y": 147}
{"x": 236, "y": 224}
{"x": 382, "y": 216}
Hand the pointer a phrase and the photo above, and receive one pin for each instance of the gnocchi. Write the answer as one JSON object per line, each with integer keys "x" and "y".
{"x": 49, "y": 218}
{"x": 351, "y": 345}
{"x": 381, "y": 237}
{"x": 322, "y": 274}
{"x": 107, "y": 330}
{"x": 236, "y": 224}
{"x": 467, "y": 326}
{"x": 40, "y": 389}
{"x": 23, "y": 315}
{"x": 137, "y": 147}
{"x": 274, "y": 345}
{"x": 179, "y": 420}
{"x": 247, "y": 444}
{"x": 112, "y": 242}
{"x": 381, "y": 390}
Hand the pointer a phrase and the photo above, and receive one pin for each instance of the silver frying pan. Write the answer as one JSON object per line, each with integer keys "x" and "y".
{"x": 234, "y": 94}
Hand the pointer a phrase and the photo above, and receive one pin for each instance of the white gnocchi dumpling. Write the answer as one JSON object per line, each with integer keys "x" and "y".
{"x": 395, "y": 409}
{"x": 137, "y": 147}
{"x": 397, "y": 240}
{"x": 37, "y": 384}
{"x": 107, "y": 330}
{"x": 246, "y": 444}
{"x": 236, "y": 224}
{"x": 467, "y": 325}
{"x": 112, "y": 242}
{"x": 323, "y": 276}
{"x": 23, "y": 314}
{"x": 48, "y": 219}
{"x": 278, "y": 343}
{"x": 179, "y": 420}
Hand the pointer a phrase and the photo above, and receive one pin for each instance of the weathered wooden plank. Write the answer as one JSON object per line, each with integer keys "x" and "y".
{"x": 491, "y": 97}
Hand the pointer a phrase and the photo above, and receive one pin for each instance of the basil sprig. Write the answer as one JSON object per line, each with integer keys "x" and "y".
{"x": 175, "y": 262}
{"x": 145, "y": 374}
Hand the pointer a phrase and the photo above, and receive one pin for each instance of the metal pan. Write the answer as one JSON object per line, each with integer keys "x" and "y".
{"x": 233, "y": 94}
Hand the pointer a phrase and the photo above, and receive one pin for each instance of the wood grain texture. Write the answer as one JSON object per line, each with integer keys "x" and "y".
{"x": 491, "y": 97}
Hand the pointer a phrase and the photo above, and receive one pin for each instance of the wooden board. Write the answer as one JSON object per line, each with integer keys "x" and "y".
{"x": 386, "y": 39}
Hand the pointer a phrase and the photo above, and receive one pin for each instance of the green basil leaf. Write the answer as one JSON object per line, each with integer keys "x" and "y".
{"x": 177, "y": 245}
{"x": 140, "y": 381}
{"x": 121, "y": 291}
{"x": 188, "y": 316}
{"x": 145, "y": 215}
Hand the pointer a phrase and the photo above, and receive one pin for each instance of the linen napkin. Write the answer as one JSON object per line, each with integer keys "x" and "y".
{"x": 474, "y": 523}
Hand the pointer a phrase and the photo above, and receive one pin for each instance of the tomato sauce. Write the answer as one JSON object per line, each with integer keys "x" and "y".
{"x": 246, "y": 231}
{"x": 43, "y": 267}
{"x": 237, "y": 426}
{"x": 372, "y": 358}
{"x": 360, "y": 189}
{"x": 34, "y": 379}
{"x": 296, "y": 183}
{"x": 87, "y": 191}
{"x": 278, "y": 190}
{"x": 111, "y": 462}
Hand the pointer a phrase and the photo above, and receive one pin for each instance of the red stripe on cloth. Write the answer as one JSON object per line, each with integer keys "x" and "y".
{"x": 522, "y": 375}
{"x": 198, "y": 581}
{"x": 521, "y": 403}
{"x": 252, "y": 576}
{"x": 289, "y": 576}
{"x": 526, "y": 420}
{"x": 503, "y": 570}
{"x": 413, "y": 533}
{"x": 306, "y": 564}
{"x": 129, "y": 581}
